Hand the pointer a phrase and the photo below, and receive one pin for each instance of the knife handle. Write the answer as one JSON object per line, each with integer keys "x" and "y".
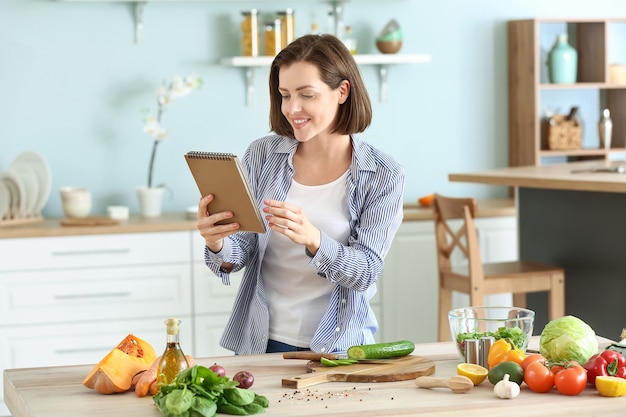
{"x": 311, "y": 356}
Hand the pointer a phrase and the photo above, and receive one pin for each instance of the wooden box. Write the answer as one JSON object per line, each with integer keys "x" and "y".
{"x": 561, "y": 134}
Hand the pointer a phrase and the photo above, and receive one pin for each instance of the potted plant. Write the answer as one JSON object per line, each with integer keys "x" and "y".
{"x": 151, "y": 196}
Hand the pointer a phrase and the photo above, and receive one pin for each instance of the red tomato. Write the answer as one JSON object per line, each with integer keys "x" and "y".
{"x": 534, "y": 357}
{"x": 538, "y": 377}
{"x": 571, "y": 380}
{"x": 558, "y": 368}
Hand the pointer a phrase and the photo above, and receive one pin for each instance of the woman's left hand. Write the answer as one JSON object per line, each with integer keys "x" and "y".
{"x": 290, "y": 220}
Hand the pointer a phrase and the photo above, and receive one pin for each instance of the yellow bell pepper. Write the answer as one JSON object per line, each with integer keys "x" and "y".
{"x": 503, "y": 351}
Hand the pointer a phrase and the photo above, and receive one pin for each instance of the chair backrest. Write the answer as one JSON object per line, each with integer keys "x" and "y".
{"x": 463, "y": 238}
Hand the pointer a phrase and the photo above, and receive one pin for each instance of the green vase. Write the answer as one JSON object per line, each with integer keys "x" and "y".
{"x": 562, "y": 62}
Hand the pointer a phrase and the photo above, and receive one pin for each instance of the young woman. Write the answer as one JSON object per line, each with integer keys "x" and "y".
{"x": 332, "y": 203}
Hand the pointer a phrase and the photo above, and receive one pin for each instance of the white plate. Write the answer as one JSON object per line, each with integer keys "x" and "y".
{"x": 5, "y": 201}
{"x": 28, "y": 177}
{"x": 42, "y": 171}
{"x": 18, "y": 206}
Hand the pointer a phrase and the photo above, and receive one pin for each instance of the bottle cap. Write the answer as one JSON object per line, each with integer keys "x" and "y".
{"x": 172, "y": 326}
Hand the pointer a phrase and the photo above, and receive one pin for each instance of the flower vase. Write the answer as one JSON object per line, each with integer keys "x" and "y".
{"x": 150, "y": 201}
{"x": 562, "y": 62}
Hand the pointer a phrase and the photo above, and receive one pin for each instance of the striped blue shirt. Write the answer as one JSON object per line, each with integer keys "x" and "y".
{"x": 375, "y": 187}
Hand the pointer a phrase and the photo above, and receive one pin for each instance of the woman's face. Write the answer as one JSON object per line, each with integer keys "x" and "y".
{"x": 308, "y": 103}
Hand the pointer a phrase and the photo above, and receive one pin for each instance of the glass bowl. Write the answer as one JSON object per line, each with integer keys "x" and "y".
{"x": 514, "y": 323}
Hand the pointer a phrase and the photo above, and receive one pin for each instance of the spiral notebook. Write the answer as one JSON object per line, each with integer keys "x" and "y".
{"x": 222, "y": 175}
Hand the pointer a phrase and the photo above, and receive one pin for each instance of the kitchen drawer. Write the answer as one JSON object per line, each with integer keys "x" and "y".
{"x": 84, "y": 294}
{"x": 73, "y": 344}
{"x": 94, "y": 250}
{"x": 210, "y": 295}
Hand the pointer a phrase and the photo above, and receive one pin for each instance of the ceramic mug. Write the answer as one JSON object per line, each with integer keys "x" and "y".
{"x": 76, "y": 201}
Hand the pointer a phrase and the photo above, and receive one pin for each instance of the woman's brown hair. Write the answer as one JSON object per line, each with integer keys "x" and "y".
{"x": 335, "y": 64}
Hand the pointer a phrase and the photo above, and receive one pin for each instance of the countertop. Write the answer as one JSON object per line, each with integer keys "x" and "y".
{"x": 169, "y": 222}
{"x": 557, "y": 176}
{"x": 58, "y": 392}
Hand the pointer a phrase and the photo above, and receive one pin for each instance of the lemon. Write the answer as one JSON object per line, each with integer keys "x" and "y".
{"x": 475, "y": 373}
{"x": 611, "y": 386}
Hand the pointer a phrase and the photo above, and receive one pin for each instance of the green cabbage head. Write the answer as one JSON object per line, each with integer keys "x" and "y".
{"x": 568, "y": 338}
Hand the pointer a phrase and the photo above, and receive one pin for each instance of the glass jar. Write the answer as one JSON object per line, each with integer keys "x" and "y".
{"x": 287, "y": 23}
{"x": 272, "y": 37}
{"x": 250, "y": 33}
{"x": 350, "y": 41}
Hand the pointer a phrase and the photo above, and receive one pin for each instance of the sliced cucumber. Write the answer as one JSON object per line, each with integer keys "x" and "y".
{"x": 381, "y": 350}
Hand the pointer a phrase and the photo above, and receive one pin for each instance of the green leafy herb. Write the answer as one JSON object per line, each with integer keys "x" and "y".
{"x": 199, "y": 392}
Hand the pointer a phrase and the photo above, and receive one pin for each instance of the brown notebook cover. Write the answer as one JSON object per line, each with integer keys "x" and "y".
{"x": 222, "y": 175}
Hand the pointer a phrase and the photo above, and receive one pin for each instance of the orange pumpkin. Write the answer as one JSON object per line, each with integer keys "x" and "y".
{"x": 115, "y": 372}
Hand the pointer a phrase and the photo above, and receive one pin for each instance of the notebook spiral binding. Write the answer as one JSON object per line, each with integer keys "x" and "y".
{"x": 222, "y": 156}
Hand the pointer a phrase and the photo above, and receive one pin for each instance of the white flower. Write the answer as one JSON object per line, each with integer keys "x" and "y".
{"x": 166, "y": 94}
{"x": 154, "y": 128}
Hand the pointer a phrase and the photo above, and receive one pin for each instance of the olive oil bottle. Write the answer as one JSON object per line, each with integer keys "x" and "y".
{"x": 173, "y": 359}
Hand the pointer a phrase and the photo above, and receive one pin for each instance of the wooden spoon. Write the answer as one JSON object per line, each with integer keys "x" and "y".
{"x": 459, "y": 384}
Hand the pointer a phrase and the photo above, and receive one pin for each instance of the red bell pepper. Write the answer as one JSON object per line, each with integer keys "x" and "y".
{"x": 606, "y": 363}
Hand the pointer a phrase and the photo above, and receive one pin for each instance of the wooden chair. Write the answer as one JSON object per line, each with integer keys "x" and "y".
{"x": 478, "y": 279}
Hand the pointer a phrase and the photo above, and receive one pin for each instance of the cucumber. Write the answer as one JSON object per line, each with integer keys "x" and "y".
{"x": 381, "y": 350}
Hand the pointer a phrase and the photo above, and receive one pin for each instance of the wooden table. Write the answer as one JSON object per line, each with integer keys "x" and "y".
{"x": 575, "y": 221}
{"x": 57, "y": 392}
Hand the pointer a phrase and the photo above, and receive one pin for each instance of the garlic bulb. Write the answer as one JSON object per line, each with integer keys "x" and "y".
{"x": 506, "y": 389}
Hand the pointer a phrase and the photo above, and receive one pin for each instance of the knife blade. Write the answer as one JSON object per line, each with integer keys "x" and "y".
{"x": 617, "y": 169}
{"x": 315, "y": 356}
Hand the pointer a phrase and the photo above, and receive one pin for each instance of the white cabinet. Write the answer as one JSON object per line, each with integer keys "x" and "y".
{"x": 213, "y": 302}
{"x": 409, "y": 285}
{"x": 70, "y": 300}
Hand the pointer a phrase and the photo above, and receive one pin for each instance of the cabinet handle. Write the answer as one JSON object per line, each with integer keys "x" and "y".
{"x": 99, "y": 295}
{"x": 74, "y": 351}
{"x": 90, "y": 252}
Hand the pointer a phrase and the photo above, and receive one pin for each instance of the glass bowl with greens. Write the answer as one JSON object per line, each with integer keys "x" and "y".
{"x": 512, "y": 323}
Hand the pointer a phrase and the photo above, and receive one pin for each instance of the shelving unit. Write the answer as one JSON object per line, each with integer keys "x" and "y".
{"x": 528, "y": 85}
{"x": 248, "y": 63}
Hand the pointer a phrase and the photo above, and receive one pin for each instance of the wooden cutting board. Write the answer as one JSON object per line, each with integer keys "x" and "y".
{"x": 401, "y": 369}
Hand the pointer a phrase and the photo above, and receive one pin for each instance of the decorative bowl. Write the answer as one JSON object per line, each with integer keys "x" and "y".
{"x": 388, "y": 47}
{"x": 514, "y": 323}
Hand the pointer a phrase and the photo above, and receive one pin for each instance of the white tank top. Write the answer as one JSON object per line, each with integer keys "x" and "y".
{"x": 298, "y": 297}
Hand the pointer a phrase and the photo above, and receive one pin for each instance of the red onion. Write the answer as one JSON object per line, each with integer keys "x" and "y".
{"x": 245, "y": 379}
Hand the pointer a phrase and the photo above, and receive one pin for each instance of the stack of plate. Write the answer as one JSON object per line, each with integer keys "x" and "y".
{"x": 24, "y": 187}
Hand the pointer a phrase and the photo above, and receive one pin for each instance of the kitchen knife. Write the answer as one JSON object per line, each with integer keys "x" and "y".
{"x": 314, "y": 356}
{"x": 616, "y": 169}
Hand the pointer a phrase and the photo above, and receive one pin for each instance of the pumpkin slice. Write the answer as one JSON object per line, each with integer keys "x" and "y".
{"x": 115, "y": 372}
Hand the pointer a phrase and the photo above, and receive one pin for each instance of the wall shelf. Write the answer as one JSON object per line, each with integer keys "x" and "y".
{"x": 139, "y": 5}
{"x": 383, "y": 61}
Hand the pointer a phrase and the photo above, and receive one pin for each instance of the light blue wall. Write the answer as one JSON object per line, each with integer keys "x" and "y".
{"x": 73, "y": 85}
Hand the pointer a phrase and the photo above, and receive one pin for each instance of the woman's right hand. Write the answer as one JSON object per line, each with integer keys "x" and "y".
{"x": 213, "y": 233}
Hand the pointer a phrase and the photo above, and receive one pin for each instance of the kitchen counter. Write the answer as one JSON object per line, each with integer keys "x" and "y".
{"x": 179, "y": 221}
{"x": 558, "y": 177}
{"x": 575, "y": 221}
{"x": 58, "y": 392}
